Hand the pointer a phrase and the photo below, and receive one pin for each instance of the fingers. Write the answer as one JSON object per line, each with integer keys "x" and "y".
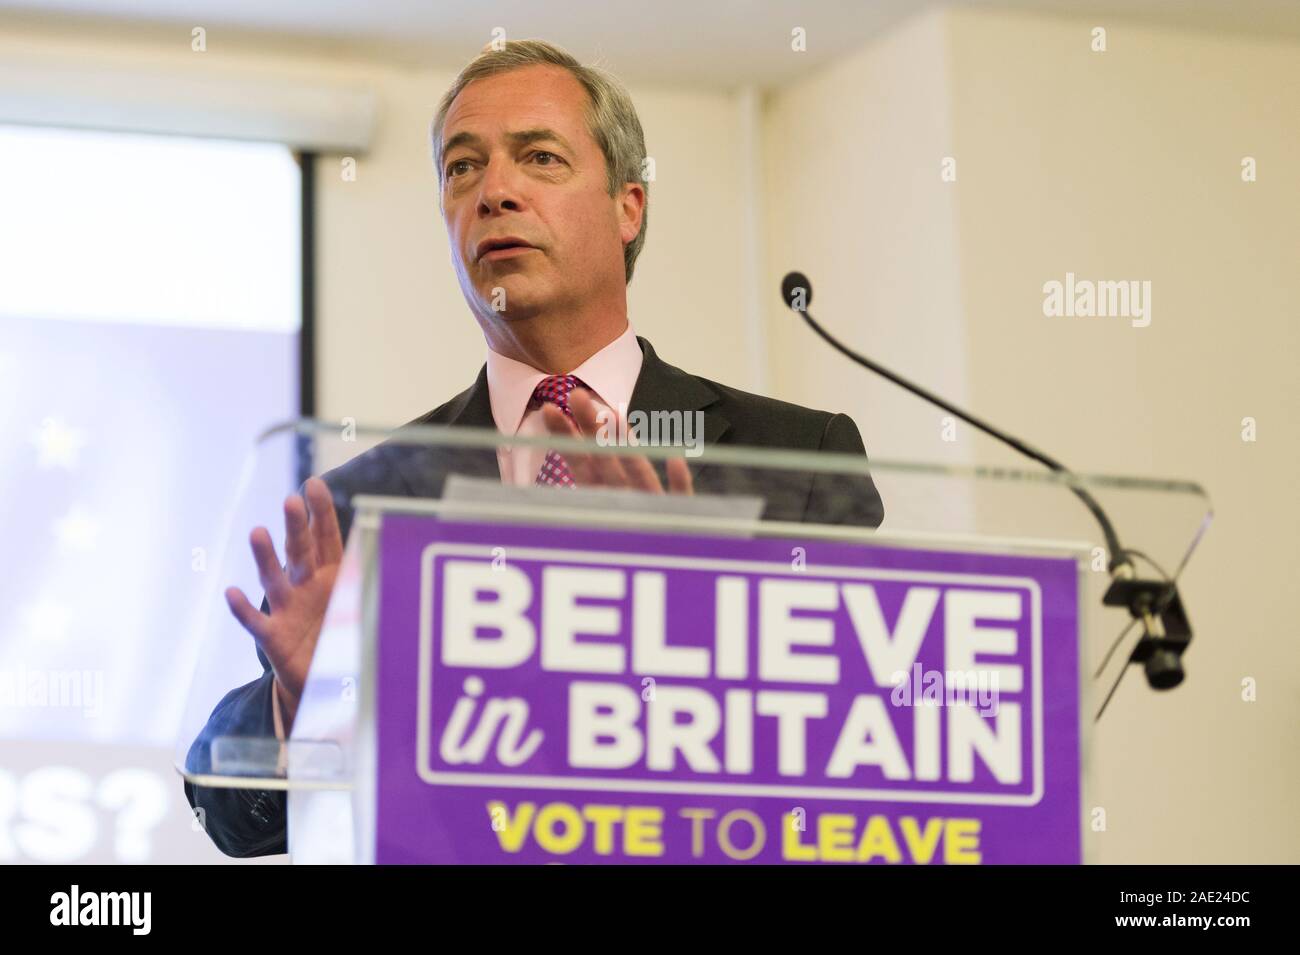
{"x": 679, "y": 476}
{"x": 299, "y": 547}
{"x": 311, "y": 538}
{"x": 324, "y": 522}
{"x": 643, "y": 476}
{"x": 558, "y": 423}
{"x": 269, "y": 573}
{"x": 585, "y": 414}
{"x": 249, "y": 617}
{"x": 606, "y": 469}
{"x": 581, "y": 466}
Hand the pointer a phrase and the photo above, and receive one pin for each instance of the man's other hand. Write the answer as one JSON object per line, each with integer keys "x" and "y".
{"x": 608, "y": 470}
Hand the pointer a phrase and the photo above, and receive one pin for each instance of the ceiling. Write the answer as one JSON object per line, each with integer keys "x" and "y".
{"x": 715, "y": 42}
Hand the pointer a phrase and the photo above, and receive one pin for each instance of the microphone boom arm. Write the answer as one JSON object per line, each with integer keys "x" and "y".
{"x": 1154, "y": 604}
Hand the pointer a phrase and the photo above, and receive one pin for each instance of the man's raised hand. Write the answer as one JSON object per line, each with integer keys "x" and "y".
{"x": 297, "y": 593}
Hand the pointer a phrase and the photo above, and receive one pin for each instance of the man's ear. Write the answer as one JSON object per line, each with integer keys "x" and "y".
{"x": 631, "y": 207}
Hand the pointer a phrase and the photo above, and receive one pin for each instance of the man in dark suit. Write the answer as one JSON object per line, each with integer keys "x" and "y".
{"x": 540, "y": 161}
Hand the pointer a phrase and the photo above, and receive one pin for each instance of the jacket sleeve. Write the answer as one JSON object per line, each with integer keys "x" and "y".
{"x": 842, "y": 498}
{"x": 240, "y": 822}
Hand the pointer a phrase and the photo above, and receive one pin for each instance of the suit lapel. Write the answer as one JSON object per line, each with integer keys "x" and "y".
{"x": 472, "y": 408}
{"x": 425, "y": 467}
{"x": 663, "y": 387}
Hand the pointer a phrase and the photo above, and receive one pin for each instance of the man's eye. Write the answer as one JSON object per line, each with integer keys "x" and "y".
{"x": 541, "y": 152}
{"x": 453, "y": 167}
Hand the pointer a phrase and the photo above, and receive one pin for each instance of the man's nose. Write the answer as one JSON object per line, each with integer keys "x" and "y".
{"x": 498, "y": 189}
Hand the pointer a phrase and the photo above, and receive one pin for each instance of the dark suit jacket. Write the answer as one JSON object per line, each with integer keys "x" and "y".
{"x": 249, "y": 822}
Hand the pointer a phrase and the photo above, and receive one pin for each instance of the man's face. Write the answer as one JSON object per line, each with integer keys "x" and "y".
{"x": 520, "y": 165}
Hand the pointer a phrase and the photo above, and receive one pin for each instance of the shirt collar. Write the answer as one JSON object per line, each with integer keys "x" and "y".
{"x": 611, "y": 373}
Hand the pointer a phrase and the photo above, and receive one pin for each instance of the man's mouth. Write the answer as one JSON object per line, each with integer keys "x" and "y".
{"x": 502, "y": 248}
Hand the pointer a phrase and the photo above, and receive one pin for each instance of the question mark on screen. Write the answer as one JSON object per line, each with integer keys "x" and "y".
{"x": 140, "y": 799}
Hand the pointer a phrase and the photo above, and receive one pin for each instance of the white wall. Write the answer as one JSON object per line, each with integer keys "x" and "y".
{"x": 1126, "y": 165}
{"x": 854, "y": 199}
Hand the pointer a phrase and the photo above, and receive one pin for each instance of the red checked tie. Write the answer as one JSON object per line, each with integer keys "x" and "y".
{"x": 554, "y": 471}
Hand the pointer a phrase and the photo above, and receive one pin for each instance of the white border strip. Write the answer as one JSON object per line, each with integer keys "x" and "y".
{"x": 618, "y": 784}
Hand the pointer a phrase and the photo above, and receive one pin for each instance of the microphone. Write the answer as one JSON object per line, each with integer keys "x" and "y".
{"x": 1154, "y": 604}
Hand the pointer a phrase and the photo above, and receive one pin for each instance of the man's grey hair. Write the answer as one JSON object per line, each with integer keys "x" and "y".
{"x": 611, "y": 118}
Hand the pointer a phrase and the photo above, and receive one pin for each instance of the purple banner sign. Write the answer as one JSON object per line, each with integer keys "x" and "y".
{"x": 564, "y": 695}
